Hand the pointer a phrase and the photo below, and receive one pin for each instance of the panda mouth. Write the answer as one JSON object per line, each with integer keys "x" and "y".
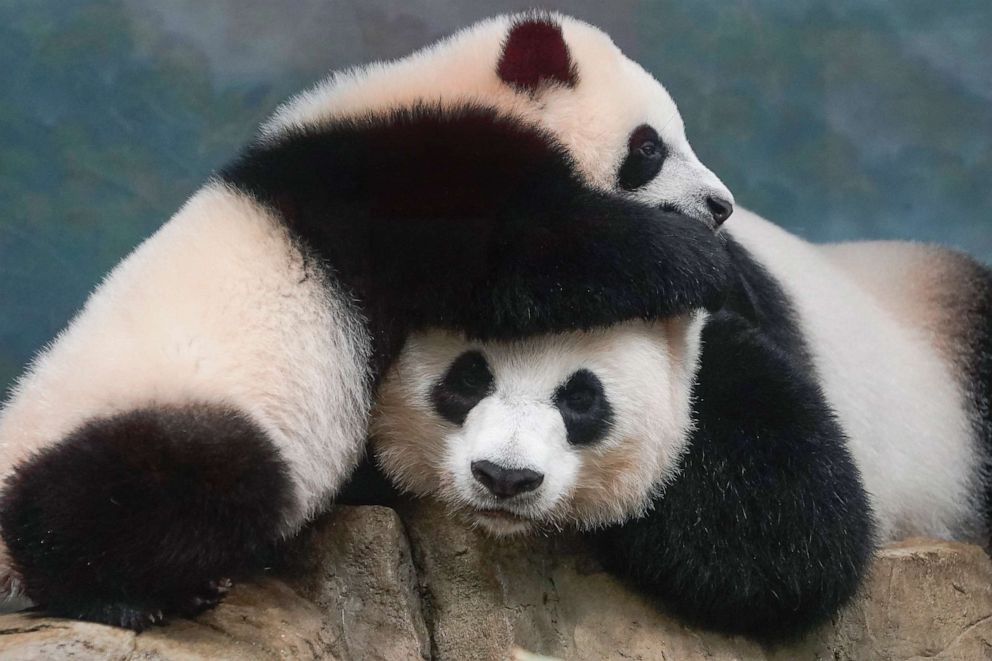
{"x": 501, "y": 522}
{"x": 502, "y": 515}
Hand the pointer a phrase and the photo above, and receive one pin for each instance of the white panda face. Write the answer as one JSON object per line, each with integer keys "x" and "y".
{"x": 579, "y": 429}
{"x": 625, "y": 131}
{"x": 620, "y": 125}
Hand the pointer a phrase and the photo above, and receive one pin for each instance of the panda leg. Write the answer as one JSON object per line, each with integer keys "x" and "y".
{"x": 142, "y": 514}
{"x": 767, "y": 529}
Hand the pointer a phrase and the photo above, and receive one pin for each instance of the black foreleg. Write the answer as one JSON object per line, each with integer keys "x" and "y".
{"x": 143, "y": 514}
{"x": 767, "y": 529}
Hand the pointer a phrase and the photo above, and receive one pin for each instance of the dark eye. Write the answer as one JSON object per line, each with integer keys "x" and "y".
{"x": 466, "y": 383}
{"x": 472, "y": 380}
{"x": 649, "y": 149}
{"x": 580, "y": 400}
{"x": 584, "y": 408}
{"x": 645, "y": 156}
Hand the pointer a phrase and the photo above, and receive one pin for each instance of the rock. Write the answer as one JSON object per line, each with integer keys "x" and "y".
{"x": 544, "y": 595}
{"x": 365, "y": 583}
{"x": 355, "y": 566}
{"x": 924, "y": 599}
{"x": 345, "y": 591}
{"x": 486, "y": 600}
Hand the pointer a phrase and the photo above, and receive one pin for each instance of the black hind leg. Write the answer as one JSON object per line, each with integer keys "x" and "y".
{"x": 136, "y": 516}
{"x": 767, "y": 530}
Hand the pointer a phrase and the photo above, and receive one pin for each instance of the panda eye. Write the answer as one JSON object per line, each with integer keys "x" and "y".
{"x": 466, "y": 383}
{"x": 580, "y": 400}
{"x": 470, "y": 381}
{"x": 645, "y": 156}
{"x": 584, "y": 408}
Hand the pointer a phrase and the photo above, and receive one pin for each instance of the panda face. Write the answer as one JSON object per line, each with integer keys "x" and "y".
{"x": 626, "y": 132}
{"x": 578, "y": 429}
{"x": 619, "y": 123}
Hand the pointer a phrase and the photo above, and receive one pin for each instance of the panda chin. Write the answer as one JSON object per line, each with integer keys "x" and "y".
{"x": 501, "y": 523}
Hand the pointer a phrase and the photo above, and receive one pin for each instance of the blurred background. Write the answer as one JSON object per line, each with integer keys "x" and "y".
{"x": 839, "y": 119}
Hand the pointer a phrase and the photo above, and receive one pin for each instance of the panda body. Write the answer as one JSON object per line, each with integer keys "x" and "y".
{"x": 900, "y": 384}
{"x": 822, "y": 416}
{"x": 212, "y": 395}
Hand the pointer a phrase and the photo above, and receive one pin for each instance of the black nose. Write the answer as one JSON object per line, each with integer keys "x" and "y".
{"x": 719, "y": 208}
{"x": 505, "y": 482}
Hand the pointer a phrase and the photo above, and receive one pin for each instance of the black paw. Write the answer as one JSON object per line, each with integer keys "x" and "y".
{"x": 211, "y": 595}
{"x": 139, "y": 616}
{"x": 118, "y": 614}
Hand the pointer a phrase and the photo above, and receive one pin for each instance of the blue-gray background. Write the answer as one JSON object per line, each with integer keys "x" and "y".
{"x": 839, "y": 119}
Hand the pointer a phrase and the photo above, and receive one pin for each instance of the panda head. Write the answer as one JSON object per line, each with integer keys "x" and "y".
{"x": 619, "y": 124}
{"x": 573, "y": 430}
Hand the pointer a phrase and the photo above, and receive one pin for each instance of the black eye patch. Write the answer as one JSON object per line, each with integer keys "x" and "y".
{"x": 645, "y": 155}
{"x": 584, "y": 407}
{"x": 466, "y": 383}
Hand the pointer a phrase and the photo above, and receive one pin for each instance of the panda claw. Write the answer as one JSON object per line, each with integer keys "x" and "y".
{"x": 212, "y": 594}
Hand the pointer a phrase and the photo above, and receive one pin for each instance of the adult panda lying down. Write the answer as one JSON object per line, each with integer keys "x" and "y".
{"x": 739, "y": 465}
{"x": 520, "y": 177}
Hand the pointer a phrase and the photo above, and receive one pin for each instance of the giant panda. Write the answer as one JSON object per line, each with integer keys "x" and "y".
{"x": 520, "y": 177}
{"x": 740, "y": 464}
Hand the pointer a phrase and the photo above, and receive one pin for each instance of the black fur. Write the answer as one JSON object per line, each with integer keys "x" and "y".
{"x": 973, "y": 313}
{"x": 145, "y": 512}
{"x": 767, "y": 529}
{"x": 469, "y": 220}
{"x": 756, "y": 296}
{"x": 535, "y": 54}
{"x": 584, "y": 408}
{"x": 458, "y": 219}
{"x": 466, "y": 383}
{"x": 646, "y": 154}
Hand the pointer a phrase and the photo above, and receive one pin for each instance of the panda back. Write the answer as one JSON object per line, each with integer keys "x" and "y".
{"x": 910, "y": 423}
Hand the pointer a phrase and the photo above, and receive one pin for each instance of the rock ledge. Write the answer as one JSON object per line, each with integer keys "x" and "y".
{"x": 368, "y": 583}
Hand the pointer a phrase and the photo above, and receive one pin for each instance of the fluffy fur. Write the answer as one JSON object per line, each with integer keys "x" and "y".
{"x": 518, "y": 424}
{"x": 425, "y": 192}
{"x": 92, "y": 520}
{"x": 828, "y": 415}
{"x": 594, "y": 118}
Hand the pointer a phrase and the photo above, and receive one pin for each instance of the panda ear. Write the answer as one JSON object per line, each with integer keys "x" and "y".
{"x": 535, "y": 52}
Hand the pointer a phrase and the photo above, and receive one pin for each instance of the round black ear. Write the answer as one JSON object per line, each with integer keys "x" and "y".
{"x": 535, "y": 52}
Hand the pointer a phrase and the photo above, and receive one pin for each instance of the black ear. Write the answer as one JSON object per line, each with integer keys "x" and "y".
{"x": 535, "y": 52}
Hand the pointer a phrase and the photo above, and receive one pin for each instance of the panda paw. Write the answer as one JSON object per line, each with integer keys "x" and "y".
{"x": 119, "y": 614}
{"x": 140, "y": 616}
{"x": 211, "y": 595}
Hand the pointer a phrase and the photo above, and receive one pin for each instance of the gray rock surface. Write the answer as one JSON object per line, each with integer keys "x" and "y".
{"x": 368, "y": 583}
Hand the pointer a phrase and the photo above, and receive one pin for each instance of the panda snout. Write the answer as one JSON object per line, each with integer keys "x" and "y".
{"x": 720, "y": 208}
{"x": 505, "y": 482}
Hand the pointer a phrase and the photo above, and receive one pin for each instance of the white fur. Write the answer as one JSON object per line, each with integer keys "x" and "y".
{"x": 891, "y": 383}
{"x": 215, "y": 308}
{"x": 594, "y": 120}
{"x": 646, "y": 371}
{"x": 895, "y": 394}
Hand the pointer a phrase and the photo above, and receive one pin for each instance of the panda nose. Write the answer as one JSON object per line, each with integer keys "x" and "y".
{"x": 719, "y": 208}
{"x": 505, "y": 482}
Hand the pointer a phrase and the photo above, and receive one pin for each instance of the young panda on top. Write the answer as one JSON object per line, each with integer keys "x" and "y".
{"x": 212, "y": 395}
{"x": 739, "y": 465}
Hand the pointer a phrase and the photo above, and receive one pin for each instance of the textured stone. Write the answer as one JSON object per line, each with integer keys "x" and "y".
{"x": 350, "y": 588}
{"x": 345, "y": 591}
{"x": 489, "y": 600}
{"x": 924, "y": 599}
{"x": 543, "y": 595}
{"x": 355, "y": 566}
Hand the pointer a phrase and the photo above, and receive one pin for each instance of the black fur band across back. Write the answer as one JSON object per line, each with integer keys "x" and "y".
{"x": 470, "y": 220}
